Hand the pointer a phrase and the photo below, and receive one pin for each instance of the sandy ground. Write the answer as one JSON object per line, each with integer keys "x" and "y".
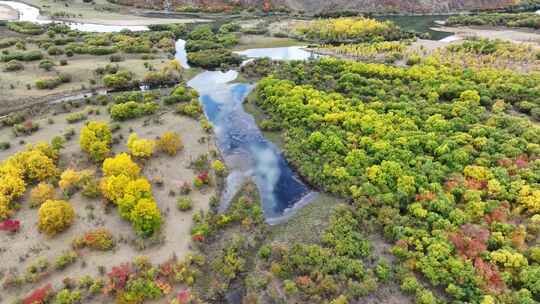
{"x": 7, "y": 13}
{"x": 81, "y": 67}
{"x": 25, "y": 247}
{"x": 514, "y": 35}
{"x": 260, "y": 41}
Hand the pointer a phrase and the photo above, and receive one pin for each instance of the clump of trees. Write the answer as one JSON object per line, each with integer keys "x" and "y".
{"x": 119, "y": 80}
{"x": 52, "y": 82}
{"x": 55, "y": 216}
{"x": 348, "y": 29}
{"x": 35, "y": 164}
{"x": 96, "y": 139}
{"x": 170, "y": 143}
{"x": 140, "y": 147}
{"x": 181, "y": 94}
{"x": 131, "y": 193}
{"x": 26, "y": 27}
{"x": 211, "y": 59}
{"x": 22, "y": 56}
{"x": 132, "y": 109}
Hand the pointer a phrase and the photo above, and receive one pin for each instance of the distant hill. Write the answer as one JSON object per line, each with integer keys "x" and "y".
{"x": 328, "y": 6}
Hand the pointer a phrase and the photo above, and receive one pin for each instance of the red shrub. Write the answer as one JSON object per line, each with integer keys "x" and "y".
{"x": 38, "y": 296}
{"x": 492, "y": 277}
{"x": 472, "y": 183}
{"x": 499, "y": 214}
{"x": 522, "y": 161}
{"x": 425, "y": 197}
{"x": 451, "y": 184}
{"x": 303, "y": 281}
{"x": 204, "y": 177}
{"x": 119, "y": 276}
{"x": 198, "y": 238}
{"x": 470, "y": 241}
{"x": 10, "y": 225}
{"x": 183, "y": 297}
{"x": 505, "y": 162}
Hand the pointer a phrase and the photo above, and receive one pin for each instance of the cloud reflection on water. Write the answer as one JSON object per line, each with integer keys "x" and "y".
{"x": 246, "y": 151}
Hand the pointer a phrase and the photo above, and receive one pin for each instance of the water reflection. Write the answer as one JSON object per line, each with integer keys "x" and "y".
{"x": 30, "y": 13}
{"x": 245, "y": 150}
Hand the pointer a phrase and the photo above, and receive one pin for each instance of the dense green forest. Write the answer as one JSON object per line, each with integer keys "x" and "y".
{"x": 432, "y": 155}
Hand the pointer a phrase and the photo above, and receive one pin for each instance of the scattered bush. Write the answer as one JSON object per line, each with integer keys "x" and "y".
{"x": 121, "y": 164}
{"x": 55, "y": 216}
{"x": 184, "y": 204}
{"x": 65, "y": 259}
{"x": 76, "y": 117}
{"x": 170, "y": 143}
{"x": 132, "y": 109}
{"x": 97, "y": 239}
{"x": 12, "y": 66}
{"x": 41, "y": 193}
{"x": 140, "y": 147}
{"x": 95, "y": 139}
{"x": 52, "y": 82}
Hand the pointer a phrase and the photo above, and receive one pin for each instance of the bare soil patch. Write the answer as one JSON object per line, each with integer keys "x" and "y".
{"x": 19, "y": 250}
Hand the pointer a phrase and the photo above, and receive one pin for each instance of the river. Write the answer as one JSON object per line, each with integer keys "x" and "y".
{"x": 247, "y": 153}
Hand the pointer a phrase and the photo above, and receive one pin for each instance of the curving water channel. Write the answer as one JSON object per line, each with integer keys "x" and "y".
{"x": 247, "y": 153}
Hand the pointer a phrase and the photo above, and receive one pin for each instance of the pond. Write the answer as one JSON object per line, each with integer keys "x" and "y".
{"x": 421, "y": 24}
{"x": 247, "y": 153}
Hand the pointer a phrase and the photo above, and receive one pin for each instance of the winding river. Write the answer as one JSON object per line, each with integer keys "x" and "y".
{"x": 247, "y": 153}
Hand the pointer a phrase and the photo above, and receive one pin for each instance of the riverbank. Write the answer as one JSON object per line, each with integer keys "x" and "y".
{"x": 101, "y": 12}
{"x": 508, "y": 34}
{"x": 8, "y": 13}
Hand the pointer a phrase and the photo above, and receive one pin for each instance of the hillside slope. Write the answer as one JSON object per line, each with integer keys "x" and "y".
{"x": 318, "y": 6}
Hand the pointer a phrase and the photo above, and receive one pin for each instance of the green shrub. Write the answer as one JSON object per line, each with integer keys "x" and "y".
{"x": 22, "y": 56}
{"x": 184, "y": 204}
{"x": 119, "y": 80}
{"x": 65, "y": 259}
{"x": 214, "y": 58}
{"x": 52, "y": 82}
{"x": 7, "y": 42}
{"x": 132, "y": 109}
{"x": 413, "y": 59}
{"x": 46, "y": 64}
{"x": 12, "y": 66}
{"x": 66, "y": 296}
{"x": 26, "y": 27}
{"x": 199, "y": 45}
{"x": 54, "y": 50}
{"x": 76, "y": 117}
{"x": 192, "y": 109}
